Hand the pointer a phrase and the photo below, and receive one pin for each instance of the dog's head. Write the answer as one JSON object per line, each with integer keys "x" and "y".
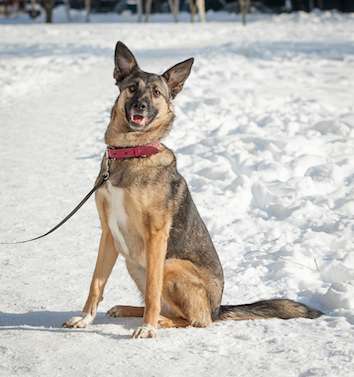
{"x": 145, "y": 99}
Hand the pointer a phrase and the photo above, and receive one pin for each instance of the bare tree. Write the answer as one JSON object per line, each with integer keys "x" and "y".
{"x": 144, "y": 7}
{"x": 6, "y": 9}
{"x": 201, "y": 10}
{"x": 148, "y": 4}
{"x": 139, "y": 9}
{"x": 17, "y": 6}
{"x": 174, "y": 7}
{"x": 244, "y": 9}
{"x": 193, "y": 9}
{"x": 33, "y": 7}
{"x": 200, "y": 5}
{"x": 48, "y": 8}
{"x": 88, "y": 9}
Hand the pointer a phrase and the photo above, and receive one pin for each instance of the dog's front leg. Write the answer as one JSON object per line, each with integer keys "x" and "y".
{"x": 107, "y": 256}
{"x": 155, "y": 259}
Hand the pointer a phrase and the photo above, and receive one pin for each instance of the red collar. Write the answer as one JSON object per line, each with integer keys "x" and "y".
{"x": 114, "y": 153}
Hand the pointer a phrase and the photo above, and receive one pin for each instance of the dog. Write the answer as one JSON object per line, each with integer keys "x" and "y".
{"x": 148, "y": 216}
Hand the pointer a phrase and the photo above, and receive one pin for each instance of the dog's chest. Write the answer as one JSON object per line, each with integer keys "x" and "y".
{"x": 122, "y": 224}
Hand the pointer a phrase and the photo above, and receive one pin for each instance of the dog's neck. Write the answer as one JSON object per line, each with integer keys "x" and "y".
{"x": 131, "y": 139}
{"x": 118, "y": 134}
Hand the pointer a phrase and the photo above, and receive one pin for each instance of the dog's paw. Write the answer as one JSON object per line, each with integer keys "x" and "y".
{"x": 144, "y": 331}
{"x": 116, "y": 311}
{"x": 79, "y": 321}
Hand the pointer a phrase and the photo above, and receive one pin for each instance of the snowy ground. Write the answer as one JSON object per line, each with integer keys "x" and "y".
{"x": 265, "y": 137}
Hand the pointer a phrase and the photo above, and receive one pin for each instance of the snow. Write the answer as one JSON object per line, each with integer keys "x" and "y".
{"x": 265, "y": 137}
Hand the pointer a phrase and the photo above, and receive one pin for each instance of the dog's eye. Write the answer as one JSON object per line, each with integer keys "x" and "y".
{"x": 132, "y": 88}
{"x": 157, "y": 93}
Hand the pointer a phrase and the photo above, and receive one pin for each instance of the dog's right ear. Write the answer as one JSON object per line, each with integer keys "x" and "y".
{"x": 124, "y": 62}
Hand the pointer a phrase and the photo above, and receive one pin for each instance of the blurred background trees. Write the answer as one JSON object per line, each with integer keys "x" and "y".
{"x": 35, "y": 7}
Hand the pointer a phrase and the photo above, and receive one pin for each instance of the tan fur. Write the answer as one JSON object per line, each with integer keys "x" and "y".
{"x": 126, "y": 311}
{"x": 185, "y": 293}
{"x": 167, "y": 323}
{"x": 146, "y": 235}
{"x": 122, "y": 311}
{"x": 106, "y": 259}
{"x": 184, "y": 296}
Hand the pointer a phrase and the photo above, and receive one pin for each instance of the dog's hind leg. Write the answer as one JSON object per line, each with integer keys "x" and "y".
{"x": 126, "y": 311}
{"x": 107, "y": 256}
{"x": 122, "y": 311}
{"x": 167, "y": 323}
{"x": 185, "y": 294}
{"x": 185, "y": 300}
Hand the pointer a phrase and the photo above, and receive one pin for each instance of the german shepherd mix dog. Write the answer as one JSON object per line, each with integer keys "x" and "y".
{"x": 147, "y": 215}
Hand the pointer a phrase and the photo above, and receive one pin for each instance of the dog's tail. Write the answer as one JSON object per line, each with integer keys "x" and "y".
{"x": 276, "y": 308}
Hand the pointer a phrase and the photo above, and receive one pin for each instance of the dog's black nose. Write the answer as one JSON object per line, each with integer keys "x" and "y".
{"x": 140, "y": 106}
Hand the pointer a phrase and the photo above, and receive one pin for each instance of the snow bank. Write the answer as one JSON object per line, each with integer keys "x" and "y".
{"x": 265, "y": 137}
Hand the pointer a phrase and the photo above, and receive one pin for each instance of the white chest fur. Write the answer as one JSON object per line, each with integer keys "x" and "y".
{"x": 117, "y": 217}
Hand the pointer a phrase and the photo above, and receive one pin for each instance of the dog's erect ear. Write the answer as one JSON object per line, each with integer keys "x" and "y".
{"x": 124, "y": 61}
{"x": 177, "y": 75}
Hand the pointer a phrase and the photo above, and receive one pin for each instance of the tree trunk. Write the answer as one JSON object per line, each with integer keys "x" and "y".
{"x": 244, "y": 8}
{"x": 88, "y": 9}
{"x": 139, "y": 9}
{"x": 148, "y": 4}
{"x": 174, "y": 8}
{"x": 192, "y": 8}
{"x": 48, "y": 7}
{"x": 6, "y": 9}
{"x": 33, "y": 8}
{"x": 201, "y": 10}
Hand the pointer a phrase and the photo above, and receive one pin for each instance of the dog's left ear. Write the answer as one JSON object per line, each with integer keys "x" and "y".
{"x": 124, "y": 61}
{"x": 177, "y": 75}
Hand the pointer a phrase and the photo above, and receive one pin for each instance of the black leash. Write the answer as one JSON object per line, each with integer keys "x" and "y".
{"x": 99, "y": 183}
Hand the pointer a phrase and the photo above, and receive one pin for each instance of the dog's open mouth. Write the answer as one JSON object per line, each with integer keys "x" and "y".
{"x": 138, "y": 120}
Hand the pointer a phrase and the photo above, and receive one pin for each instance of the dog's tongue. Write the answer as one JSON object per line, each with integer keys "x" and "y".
{"x": 138, "y": 119}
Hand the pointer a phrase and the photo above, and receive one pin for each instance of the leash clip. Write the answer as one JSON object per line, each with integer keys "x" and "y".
{"x": 105, "y": 175}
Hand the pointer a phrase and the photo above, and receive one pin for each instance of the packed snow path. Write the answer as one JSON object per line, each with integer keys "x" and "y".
{"x": 265, "y": 137}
